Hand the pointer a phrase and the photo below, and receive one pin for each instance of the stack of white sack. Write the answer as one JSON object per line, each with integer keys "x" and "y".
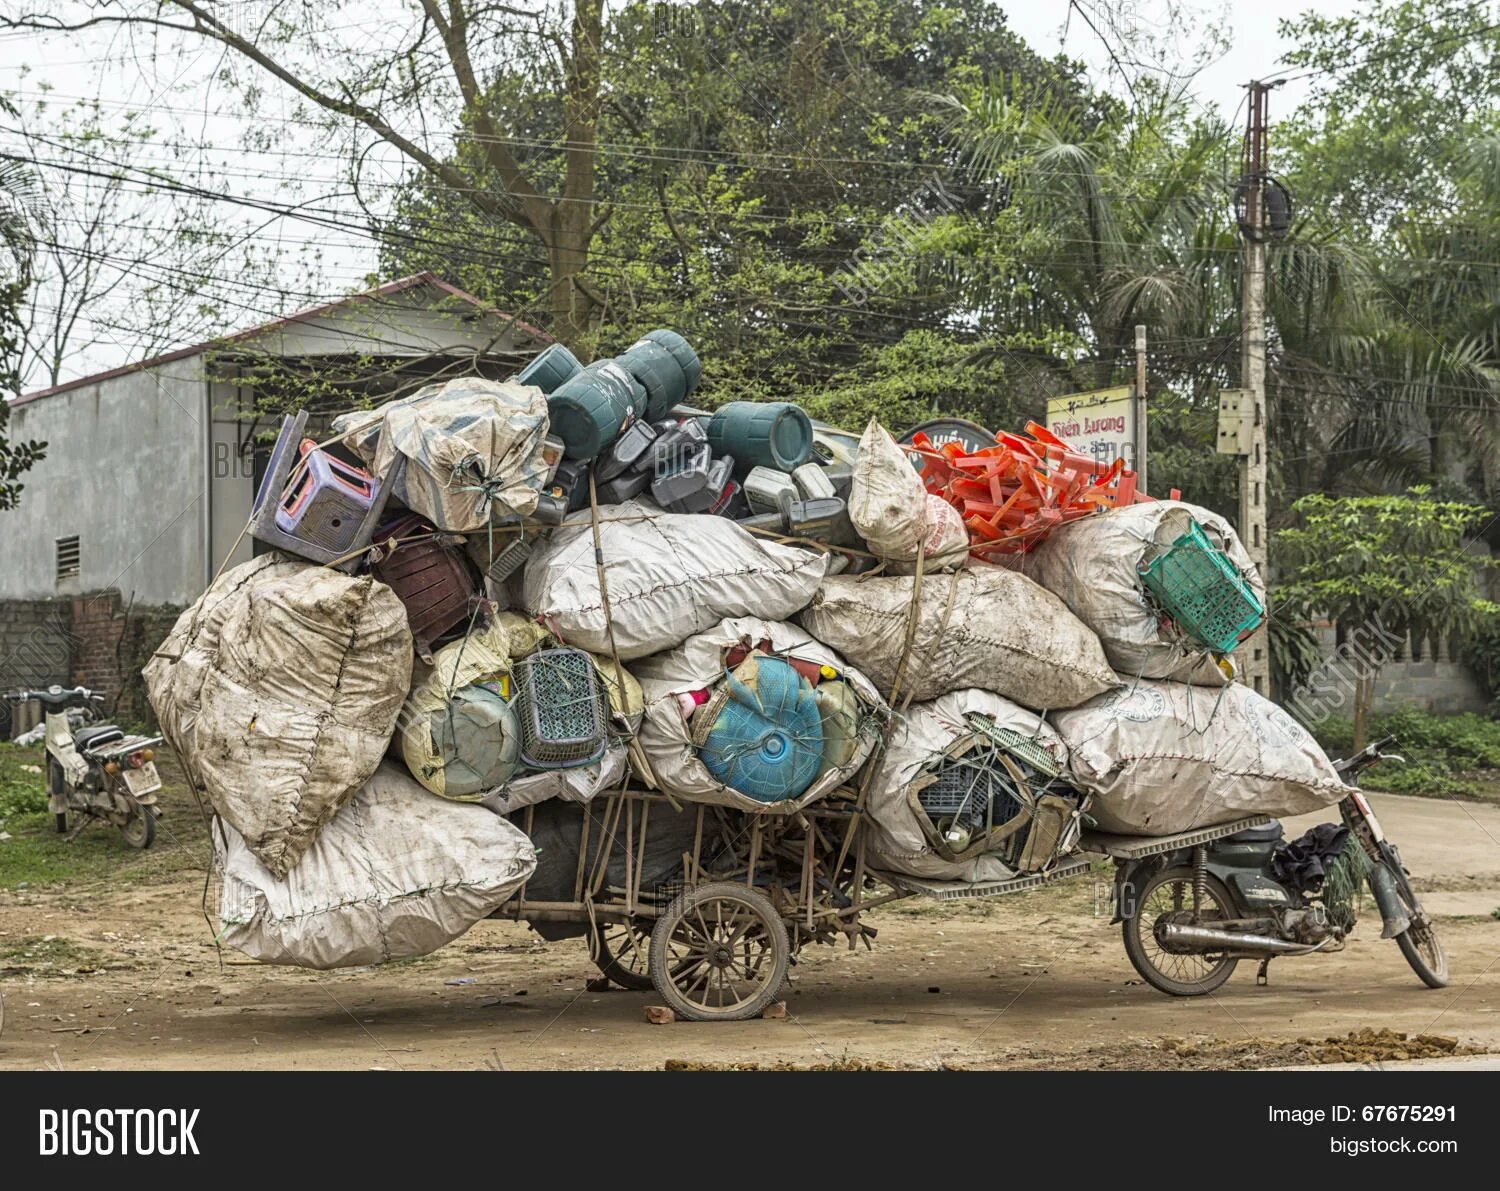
{"x": 1161, "y": 757}
{"x": 983, "y": 627}
{"x": 1093, "y": 565}
{"x": 280, "y": 690}
{"x": 396, "y": 873}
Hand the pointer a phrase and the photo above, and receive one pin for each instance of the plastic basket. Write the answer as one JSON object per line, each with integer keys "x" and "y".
{"x": 973, "y": 791}
{"x": 1203, "y": 592}
{"x": 561, "y": 704}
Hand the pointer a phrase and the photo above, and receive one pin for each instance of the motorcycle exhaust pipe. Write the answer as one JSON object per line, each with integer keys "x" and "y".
{"x": 1222, "y": 940}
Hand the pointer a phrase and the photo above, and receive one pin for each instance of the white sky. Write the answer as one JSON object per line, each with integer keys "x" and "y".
{"x": 95, "y": 64}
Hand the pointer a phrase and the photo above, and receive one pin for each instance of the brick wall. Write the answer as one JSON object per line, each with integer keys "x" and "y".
{"x": 93, "y": 641}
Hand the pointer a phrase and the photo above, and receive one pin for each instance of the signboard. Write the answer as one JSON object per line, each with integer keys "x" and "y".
{"x": 1100, "y": 424}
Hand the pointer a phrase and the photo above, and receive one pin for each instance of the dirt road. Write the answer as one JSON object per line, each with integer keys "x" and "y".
{"x": 112, "y": 976}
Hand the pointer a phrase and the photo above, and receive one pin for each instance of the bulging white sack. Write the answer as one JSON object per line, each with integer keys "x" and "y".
{"x": 897, "y": 841}
{"x": 666, "y": 735}
{"x": 473, "y": 449}
{"x": 396, "y": 873}
{"x": 1166, "y": 757}
{"x": 668, "y": 576}
{"x": 894, "y": 512}
{"x": 983, "y": 627}
{"x": 280, "y": 689}
{"x": 1091, "y": 564}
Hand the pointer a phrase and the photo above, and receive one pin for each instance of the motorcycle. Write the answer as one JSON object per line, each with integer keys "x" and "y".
{"x": 95, "y": 770}
{"x": 1191, "y": 908}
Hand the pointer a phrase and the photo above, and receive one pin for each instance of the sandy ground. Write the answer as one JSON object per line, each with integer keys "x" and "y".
{"x": 1039, "y": 980}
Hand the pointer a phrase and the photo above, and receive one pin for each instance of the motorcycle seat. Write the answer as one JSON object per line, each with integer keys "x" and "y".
{"x": 1269, "y": 833}
{"x": 96, "y": 736}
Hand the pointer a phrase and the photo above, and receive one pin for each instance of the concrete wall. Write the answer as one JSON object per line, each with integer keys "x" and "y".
{"x": 1422, "y": 675}
{"x": 125, "y": 471}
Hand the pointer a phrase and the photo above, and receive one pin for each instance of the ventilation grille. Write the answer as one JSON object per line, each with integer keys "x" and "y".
{"x": 67, "y": 558}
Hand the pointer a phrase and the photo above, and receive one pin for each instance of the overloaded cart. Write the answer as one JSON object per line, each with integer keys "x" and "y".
{"x": 699, "y": 686}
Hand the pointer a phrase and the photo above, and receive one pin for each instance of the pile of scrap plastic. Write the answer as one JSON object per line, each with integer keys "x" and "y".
{"x": 493, "y": 595}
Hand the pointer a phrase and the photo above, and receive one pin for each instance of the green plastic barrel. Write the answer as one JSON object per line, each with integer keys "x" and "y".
{"x": 658, "y": 371}
{"x": 682, "y": 351}
{"x": 771, "y": 434}
{"x": 549, "y": 369}
{"x": 618, "y": 378}
{"x": 588, "y": 412}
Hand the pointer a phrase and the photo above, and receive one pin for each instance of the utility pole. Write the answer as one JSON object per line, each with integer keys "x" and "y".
{"x": 1140, "y": 409}
{"x": 1254, "y": 654}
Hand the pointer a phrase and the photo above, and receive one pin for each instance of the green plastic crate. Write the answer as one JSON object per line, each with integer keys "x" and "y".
{"x": 1203, "y": 591}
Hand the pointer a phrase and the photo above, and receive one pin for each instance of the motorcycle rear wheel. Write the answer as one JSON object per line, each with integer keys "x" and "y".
{"x": 1174, "y": 973}
{"x": 140, "y": 829}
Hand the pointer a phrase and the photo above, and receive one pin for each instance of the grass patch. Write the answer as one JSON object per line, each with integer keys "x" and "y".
{"x": 21, "y": 791}
{"x": 48, "y": 955}
{"x": 36, "y": 855}
{"x": 1448, "y": 755}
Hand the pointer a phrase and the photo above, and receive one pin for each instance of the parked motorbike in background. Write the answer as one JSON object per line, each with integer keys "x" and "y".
{"x": 1194, "y": 907}
{"x": 96, "y": 770}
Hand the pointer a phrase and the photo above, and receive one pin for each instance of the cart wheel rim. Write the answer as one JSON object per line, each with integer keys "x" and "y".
{"x": 720, "y": 952}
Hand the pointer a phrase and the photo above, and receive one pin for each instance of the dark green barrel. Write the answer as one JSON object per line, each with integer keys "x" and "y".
{"x": 682, "y": 351}
{"x": 549, "y": 369}
{"x": 762, "y": 434}
{"x": 588, "y": 412}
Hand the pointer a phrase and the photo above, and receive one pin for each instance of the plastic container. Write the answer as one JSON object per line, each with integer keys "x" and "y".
{"x": 813, "y": 482}
{"x": 774, "y": 434}
{"x": 841, "y": 476}
{"x": 630, "y": 452}
{"x": 657, "y": 370}
{"x": 630, "y": 389}
{"x": 695, "y": 487}
{"x": 588, "y": 412}
{"x": 677, "y": 446}
{"x": 549, "y": 369}
{"x": 770, "y": 522}
{"x": 682, "y": 351}
{"x": 620, "y": 489}
{"x": 1203, "y": 591}
{"x": 326, "y": 500}
{"x": 767, "y": 739}
{"x": 823, "y": 520}
{"x": 764, "y": 487}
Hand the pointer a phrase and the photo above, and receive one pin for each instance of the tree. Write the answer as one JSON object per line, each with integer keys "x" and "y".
{"x": 412, "y": 79}
{"x": 1395, "y": 564}
{"x": 20, "y": 215}
{"x": 130, "y": 257}
{"x": 773, "y": 181}
{"x": 1397, "y": 149}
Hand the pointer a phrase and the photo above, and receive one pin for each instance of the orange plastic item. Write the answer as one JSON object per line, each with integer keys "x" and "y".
{"x": 1012, "y": 495}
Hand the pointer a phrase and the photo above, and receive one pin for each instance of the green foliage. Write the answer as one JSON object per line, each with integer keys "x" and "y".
{"x": 21, "y": 792}
{"x": 1444, "y": 752}
{"x": 1400, "y": 561}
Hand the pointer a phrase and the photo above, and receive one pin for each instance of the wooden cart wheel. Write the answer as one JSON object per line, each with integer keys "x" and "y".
{"x": 623, "y": 953}
{"x": 719, "y": 953}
